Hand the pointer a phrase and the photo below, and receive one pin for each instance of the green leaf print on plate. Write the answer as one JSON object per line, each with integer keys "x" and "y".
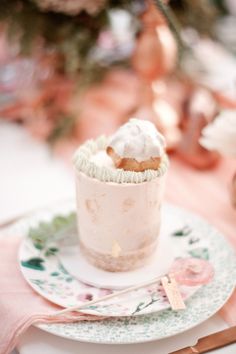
{"x": 185, "y": 231}
{"x": 55, "y": 274}
{"x": 143, "y": 305}
{"x": 46, "y": 232}
{"x": 193, "y": 240}
{"x": 51, "y": 251}
{"x": 200, "y": 252}
{"x": 34, "y": 263}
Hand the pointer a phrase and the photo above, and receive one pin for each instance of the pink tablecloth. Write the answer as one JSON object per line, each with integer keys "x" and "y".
{"x": 207, "y": 193}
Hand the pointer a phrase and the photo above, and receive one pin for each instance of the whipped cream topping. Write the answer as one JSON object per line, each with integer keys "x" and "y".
{"x": 138, "y": 139}
{"x": 101, "y": 159}
{"x": 220, "y": 135}
{"x": 92, "y": 160}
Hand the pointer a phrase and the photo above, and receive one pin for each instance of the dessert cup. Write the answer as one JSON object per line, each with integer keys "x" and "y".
{"x": 119, "y": 212}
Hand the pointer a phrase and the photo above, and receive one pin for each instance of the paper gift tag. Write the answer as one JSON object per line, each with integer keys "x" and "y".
{"x": 172, "y": 292}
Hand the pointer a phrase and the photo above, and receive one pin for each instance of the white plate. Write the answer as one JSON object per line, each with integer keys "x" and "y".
{"x": 203, "y": 304}
{"x": 73, "y": 260}
{"x": 60, "y": 274}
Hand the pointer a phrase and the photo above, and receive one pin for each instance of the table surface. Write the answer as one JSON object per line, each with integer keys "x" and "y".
{"x": 32, "y": 177}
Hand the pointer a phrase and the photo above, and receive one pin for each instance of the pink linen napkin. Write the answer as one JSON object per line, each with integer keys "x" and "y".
{"x": 20, "y": 306}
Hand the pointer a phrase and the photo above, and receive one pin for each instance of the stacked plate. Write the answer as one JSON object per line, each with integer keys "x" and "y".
{"x": 51, "y": 262}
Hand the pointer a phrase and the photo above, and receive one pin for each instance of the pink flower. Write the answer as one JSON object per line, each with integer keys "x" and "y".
{"x": 85, "y": 297}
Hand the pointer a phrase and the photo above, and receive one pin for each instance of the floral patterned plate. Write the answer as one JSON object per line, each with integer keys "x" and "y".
{"x": 41, "y": 260}
{"x": 198, "y": 239}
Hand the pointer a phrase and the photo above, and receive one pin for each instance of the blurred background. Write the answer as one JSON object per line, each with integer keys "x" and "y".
{"x": 74, "y": 69}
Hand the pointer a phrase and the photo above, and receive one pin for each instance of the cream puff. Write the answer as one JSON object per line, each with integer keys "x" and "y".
{"x": 136, "y": 146}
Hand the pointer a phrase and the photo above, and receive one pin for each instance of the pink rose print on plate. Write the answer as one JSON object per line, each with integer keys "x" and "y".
{"x": 192, "y": 271}
{"x": 85, "y": 297}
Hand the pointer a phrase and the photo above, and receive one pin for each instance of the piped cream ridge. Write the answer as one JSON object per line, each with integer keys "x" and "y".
{"x": 82, "y": 163}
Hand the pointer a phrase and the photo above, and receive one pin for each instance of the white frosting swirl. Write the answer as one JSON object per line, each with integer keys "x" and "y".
{"x": 221, "y": 134}
{"x": 138, "y": 139}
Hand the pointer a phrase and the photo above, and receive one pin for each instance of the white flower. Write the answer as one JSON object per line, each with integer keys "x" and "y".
{"x": 220, "y": 135}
